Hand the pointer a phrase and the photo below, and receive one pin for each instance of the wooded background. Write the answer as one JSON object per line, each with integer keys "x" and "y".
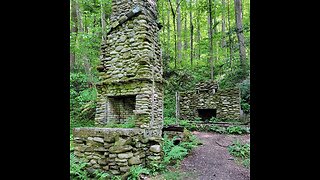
{"x": 200, "y": 40}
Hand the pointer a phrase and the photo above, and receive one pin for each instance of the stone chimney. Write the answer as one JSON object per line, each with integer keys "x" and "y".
{"x": 130, "y": 72}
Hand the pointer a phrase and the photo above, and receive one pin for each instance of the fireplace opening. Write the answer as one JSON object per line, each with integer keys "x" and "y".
{"x": 207, "y": 114}
{"x": 121, "y": 108}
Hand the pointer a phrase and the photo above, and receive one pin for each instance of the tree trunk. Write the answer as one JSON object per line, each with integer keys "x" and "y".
{"x": 74, "y": 29}
{"x": 179, "y": 43}
{"x": 168, "y": 33}
{"x": 230, "y": 40}
{"x": 209, "y": 32}
{"x": 223, "y": 25}
{"x": 198, "y": 34}
{"x": 103, "y": 22}
{"x": 185, "y": 47}
{"x": 175, "y": 35}
{"x": 242, "y": 48}
{"x": 210, "y": 40}
{"x": 191, "y": 35}
{"x": 214, "y": 16}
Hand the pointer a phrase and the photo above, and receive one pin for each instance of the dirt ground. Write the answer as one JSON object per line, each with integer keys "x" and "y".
{"x": 212, "y": 161}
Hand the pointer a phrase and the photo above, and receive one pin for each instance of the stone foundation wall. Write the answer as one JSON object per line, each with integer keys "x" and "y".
{"x": 115, "y": 150}
{"x": 226, "y": 102}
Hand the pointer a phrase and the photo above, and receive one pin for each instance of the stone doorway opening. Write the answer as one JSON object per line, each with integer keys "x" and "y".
{"x": 121, "y": 108}
{"x": 207, "y": 114}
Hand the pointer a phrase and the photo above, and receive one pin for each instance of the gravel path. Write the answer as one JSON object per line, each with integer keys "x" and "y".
{"x": 212, "y": 161}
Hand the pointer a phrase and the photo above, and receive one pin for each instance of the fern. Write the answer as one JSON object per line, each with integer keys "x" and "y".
{"x": 77, "y": 170}
{"x": 135, "y": 172}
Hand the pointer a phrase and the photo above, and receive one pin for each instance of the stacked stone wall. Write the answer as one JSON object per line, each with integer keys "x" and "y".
{"x": 115, "y": 150}
{"x": 226, "y": 102}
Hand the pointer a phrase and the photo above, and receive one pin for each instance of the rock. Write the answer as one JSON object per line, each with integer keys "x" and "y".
{"x": 106, "y": 168}
{"x": 134, "y": 161}
{"x": 112, "y": 155}
{"x": 101, "y": 149}
{"x": 96, "y": 166}
{"x": 124, "y": 50}
{"x": 125, "y": 155}
{"x": 120, "y": 160}
{"x": 155, "y": 148}
{"x": 113, "y": 52}
{"x": 118, "y": 48}
{"x": 102, "y": 161}
{"x": 122, "y": 163}
{"x": 113, "y": 167}
{"x": 124, "y": 169}
{"x": 98, "y": 139}
{"x": 120, "y": 142}
{"x": 114, "y": 172}
{"x": 122, "y": 38}
{"x": 93, "y": 161}
{"x": 120, "y": 149}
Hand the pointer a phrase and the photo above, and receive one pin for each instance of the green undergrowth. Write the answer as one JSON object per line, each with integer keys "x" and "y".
{"x": 241, "y": 151}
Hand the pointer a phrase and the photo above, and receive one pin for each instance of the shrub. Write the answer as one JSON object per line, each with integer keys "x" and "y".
{"x": 237, "y": 130}
{"x": 245, "y": 89}
{"x": 169, "y": 120}
{"x": 82, "y": 98}
{"x": 241, "y": 151}
{"x": 245, "y": 106}
{"x": 218, "y": 129}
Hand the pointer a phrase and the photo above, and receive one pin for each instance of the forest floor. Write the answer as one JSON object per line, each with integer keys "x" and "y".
{"x": 212, "y": 159}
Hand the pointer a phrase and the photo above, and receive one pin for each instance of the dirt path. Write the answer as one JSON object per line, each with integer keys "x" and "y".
{"x": 212, "y": 160}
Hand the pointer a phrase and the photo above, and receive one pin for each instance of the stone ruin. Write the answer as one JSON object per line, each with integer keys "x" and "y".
{"x": 207, "y": 101}
{"x": 130, "y": 87}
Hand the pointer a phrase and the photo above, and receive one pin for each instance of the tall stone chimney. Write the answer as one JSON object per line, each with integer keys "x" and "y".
{"x": 130, "y": 79}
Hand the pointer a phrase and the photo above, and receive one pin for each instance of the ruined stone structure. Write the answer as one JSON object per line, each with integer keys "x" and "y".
{"x": 114, "y": 150}
{"x": 207, "y": 102}
{"x": 130, "y": 86}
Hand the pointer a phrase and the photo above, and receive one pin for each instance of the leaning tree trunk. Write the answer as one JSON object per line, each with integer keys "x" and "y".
{"x": 210, "y": 40}
{"x": 214, "y": 16}
{"x": 242, "y": 48}
{"x": 175, "y": 35}
{"x": 191, "y": 35}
